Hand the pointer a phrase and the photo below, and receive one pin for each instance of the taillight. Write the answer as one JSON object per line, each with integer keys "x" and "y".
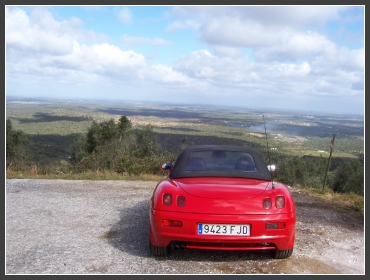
{"x": 266, "y": 203}
{"x": 167, "y": 199}
{"x": 275, "y": 225}
{"x": 280, "y": 202}
{"x": 171, "y": 223}
{"x": 181, "y": 201}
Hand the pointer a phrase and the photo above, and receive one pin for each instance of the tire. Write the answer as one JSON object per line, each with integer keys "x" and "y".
{"x": 159, "y": 251}
{"x": 281, "y": 254}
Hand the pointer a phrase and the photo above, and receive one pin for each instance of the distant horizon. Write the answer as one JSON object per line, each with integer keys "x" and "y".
{"x": 168, "y": 103}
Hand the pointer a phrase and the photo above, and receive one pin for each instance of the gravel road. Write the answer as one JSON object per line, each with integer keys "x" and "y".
{"x": 101, "y": 227}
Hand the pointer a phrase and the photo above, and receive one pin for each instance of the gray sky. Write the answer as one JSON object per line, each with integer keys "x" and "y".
{"x": 308, "y": 58}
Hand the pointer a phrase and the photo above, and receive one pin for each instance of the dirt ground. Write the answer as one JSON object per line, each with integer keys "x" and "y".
{"x": 329, "y": 239}
{"x": 101, "y": 227}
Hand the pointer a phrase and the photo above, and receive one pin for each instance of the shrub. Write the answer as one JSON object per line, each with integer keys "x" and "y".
{"x": 349, "y": 177}
{"x": 15, "y": 141}
{"x": 114, "y": 147}
{"x": 304, "y": 171}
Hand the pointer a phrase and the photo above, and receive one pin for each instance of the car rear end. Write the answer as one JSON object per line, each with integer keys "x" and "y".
{"x": 222, "y": 214}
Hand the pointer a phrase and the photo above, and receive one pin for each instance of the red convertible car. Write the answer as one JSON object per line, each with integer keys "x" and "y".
{"x": 221, "y": 197}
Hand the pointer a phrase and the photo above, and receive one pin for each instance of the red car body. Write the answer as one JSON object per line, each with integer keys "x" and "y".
{"x": 220, "y": 206}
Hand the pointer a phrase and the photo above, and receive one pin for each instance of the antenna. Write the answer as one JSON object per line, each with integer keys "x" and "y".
{"x": 268, "y": 151}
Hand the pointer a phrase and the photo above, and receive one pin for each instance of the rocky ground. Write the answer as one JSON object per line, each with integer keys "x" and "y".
{"x": 101, "y": 227}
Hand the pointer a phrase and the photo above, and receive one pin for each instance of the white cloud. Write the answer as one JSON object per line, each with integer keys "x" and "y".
{"x": 298, "y": 16}
{"x": 24, "y": 34}
{"x": 227, "y": 51}
{"x": 125, "y": 16}
{"x": 270, "y": 44}
{"x": 358, "y": 85}
{"x": 38, "y": 44}
{"x": 40, "y": 33}
{"x": 352, "y": 59}
{"x": 222, "y": 71}
{"x": 179, "y": 24}
{"x": 295, "y": 46}
{"x": 235, "y": 32}
{"x": 244, "y": 53}
{"x": 293, "y": 16}
{"x": 167, "y": 74}
{"x": 112, "y": 55}
{"x": 129, "y": 40}
{"x": 101, "y": 59}
{"x": 292, "y": 70}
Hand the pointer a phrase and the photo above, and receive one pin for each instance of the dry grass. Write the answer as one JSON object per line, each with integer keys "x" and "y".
{"x": 91, "y": 175}
{"x": 349, "y": 201}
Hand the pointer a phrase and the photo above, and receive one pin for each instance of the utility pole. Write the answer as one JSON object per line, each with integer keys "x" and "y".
{"x": 327, "y": 167}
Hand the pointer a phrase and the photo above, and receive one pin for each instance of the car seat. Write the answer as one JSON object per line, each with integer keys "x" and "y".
{"x": 245, "y": 163}
{"x": 196, "y": 163}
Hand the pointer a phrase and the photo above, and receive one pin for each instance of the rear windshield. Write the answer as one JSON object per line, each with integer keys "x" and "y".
{"x": 221, "y": 160}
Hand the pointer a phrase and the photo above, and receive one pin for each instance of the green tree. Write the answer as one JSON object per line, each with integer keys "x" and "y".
{"x": 349, "y": 177}
{"x": 114, "y": 147}
{"x": 290, "y": 171}
{"x": 101, "y": 133}
{"x": 79, "y": 148}
{"x": 102, "y": 145}
{"x": 304, "y": 171}
{"x": 15, "y": 141}
{"x": 147, "y": 141}
{"x": 124, "y": 125}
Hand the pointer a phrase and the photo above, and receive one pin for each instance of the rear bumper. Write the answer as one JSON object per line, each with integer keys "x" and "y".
{"x": 187, "y": 236}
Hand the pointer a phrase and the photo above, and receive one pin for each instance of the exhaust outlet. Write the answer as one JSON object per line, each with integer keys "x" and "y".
{"x": 177, "y": 247}
{"x": 182, "y": 247}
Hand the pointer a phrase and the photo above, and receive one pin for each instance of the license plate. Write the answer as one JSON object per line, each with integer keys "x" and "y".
{"x": 224, "y": 229}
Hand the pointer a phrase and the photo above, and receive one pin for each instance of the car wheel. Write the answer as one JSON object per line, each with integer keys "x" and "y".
{"x": 159, "y": 251}
{"x": 281, "y": 254}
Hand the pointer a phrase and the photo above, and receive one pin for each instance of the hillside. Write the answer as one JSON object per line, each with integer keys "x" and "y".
{"x": 51, "y": 124}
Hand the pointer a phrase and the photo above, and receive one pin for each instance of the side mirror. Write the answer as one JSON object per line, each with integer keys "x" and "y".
{"x": 166, "y": 166}
{"x": 272, "y": 168}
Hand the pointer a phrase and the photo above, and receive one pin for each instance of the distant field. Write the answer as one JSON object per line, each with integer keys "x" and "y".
{"x": 51, "y": 124}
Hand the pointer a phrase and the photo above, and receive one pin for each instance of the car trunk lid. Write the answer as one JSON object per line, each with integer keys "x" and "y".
{"x": 223, "y": 188}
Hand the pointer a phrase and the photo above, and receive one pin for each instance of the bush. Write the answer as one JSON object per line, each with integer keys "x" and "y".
{"x": 310, "y": 172}
{"x": 15, "y": 141}
{"x": 349, "y": 177}
{"x": 304, "y": 171}
{"x": 114, "y": 147}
